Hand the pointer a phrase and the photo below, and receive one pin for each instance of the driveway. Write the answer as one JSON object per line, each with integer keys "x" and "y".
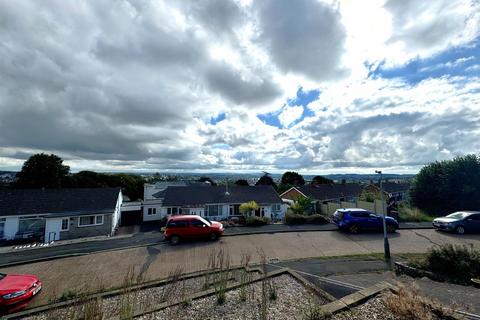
{"x": 108, "y": 269}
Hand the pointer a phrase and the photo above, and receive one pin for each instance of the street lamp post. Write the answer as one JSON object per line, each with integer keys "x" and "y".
{"x": 386, "y": 246}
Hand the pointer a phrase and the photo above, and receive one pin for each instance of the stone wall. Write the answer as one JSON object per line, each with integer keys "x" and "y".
{"x": 75, "y": 231}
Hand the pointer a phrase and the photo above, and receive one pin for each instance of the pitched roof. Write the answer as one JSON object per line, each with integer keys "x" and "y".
{"x": 391, "y": 187}
{"x": 331, "y": 191}
{"x": 196, "y": 195}
{"x": 54, "y": 201}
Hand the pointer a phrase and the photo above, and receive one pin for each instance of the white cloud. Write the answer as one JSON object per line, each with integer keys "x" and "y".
{"x": 290, "y": 114}
{"x": 132, "y": 85}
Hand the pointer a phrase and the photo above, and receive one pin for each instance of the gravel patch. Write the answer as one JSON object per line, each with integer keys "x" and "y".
{"x": 291, "y": 302}
{"x": 140, "y": 299}
{"x": 374, "y": 308}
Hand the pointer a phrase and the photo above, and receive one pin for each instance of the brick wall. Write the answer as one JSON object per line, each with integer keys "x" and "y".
{"x": 292, "y": 195}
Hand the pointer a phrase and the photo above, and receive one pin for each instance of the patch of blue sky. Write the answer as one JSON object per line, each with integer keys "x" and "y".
{"x": 303, "y": 98}
{"x": 458, "y": 61}
{"x": 222, "y": 146}
{"x": 217, "y": 119}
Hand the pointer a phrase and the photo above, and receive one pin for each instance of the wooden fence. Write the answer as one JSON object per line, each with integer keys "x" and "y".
{"x": 330, "y": 207}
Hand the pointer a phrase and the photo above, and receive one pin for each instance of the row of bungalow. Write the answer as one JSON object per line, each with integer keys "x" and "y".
{"x": 62, "y": 214}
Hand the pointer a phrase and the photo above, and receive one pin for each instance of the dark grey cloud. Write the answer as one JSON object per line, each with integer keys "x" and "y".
{"x": 305, "y": 37}
{"x": 232, "y": 85}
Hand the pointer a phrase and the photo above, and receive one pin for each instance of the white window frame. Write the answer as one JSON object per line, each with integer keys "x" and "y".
{"x": 94, "y": 221}
{"x": 68, "y": 224}
{"x": 151, "y": 211}
{"x": 218, "y": 213}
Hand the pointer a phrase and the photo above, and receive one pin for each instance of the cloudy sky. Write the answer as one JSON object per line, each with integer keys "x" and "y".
{"x": 222, "y": 85}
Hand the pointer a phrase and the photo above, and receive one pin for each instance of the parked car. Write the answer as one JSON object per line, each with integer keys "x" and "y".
{"x": 459, "y": 222}
{"x": 191, "y": 227}
{"x": 355, "y": 220}
{"x": 17, "y": 289}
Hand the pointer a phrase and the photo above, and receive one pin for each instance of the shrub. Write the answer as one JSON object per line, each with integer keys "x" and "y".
{"x": 163, "y": 222}
{"x": 407, "y": 303}
{"x": 316, "y": 219}
{"x": 291, "y": 218}
{"x": 457, "y": 263}
{"x": 257, "y": 221}
{"x": 412, "y": 214}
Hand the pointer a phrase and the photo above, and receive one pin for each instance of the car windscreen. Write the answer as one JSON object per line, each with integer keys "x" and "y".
{"x": 458, "y": 215}
{"x": 204, "y": 221}
{"x": 2, "y": 275}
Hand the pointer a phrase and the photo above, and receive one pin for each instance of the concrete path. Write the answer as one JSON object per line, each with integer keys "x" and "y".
{"x": 108, "y": 269}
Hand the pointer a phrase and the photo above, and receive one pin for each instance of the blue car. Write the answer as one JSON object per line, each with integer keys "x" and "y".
{"x": 355, "y": 220}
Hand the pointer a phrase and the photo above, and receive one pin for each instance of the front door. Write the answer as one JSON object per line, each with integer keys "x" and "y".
{"x": 52, "y": 229}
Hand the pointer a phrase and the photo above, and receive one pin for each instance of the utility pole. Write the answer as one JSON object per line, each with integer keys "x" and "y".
{"x": 386, "y": 245}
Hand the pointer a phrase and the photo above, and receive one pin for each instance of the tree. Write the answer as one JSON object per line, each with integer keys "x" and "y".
{"x": 242, "y": 182}
{"x": 248, "y": 207}
{"x": 446, "y": 186}
{"x": 208, "y": 180}
{"x": 301, "y": 206}
{"x": 292, "y": 178}
{"x": 370, "y": 196}
{"x": 42, "y": 171}
{"x": 266, "y": 180}
{"x": 317, "y": 180}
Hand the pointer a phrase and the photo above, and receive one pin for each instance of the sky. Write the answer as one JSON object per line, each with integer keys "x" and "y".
{"x": 240, "y": 85}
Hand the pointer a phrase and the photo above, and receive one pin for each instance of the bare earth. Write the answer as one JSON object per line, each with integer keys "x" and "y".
{"x": 108, "y": 269}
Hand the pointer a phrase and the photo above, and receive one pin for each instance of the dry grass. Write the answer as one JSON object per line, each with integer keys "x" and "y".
{"x": 412, "y": 214}
{"x": 408, "y": 304}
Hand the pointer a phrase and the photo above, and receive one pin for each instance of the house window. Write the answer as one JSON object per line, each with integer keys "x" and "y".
{"x": 262, "y": 211}
{"x": 231, "y": 210}
{"x": 276, "y": 207}
{"x": 213, "y": 211}
{"x": 87, "y": 221}
{"x": 34, "y": 224}
{"x": 65, "y": 224}
{"x": 169, "y": 211}
{"x": 152, "y": 211}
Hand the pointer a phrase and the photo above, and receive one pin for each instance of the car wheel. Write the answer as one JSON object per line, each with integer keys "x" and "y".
{"x": 390, "y": 228}
{"x": 213, "y": 236}
{"x": 460, "y": 230}
{"x": 353, "y": 228}
{"x": 175, "y": 240}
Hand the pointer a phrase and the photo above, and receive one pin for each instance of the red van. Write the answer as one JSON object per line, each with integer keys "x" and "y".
{"x": 191, "y": 227}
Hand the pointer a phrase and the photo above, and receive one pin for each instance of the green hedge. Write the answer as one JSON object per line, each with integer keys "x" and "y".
{"x": 257, "y": 221}
{"x": 457, "y": 263}
{"x": 291, "y": 218}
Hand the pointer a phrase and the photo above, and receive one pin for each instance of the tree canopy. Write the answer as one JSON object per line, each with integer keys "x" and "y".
{"x": 48, "y": 171}
{"x": 42, "y": 171}
{"x": 248, "y": 207}
{"x": 446, "y": 186}
{"x": 242, "y": 182}
{"x": 292, "y": 178}
{"x": 317, "y": 180}
{"x": 207, "y": 179}
{"x": 266, "y": 180}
